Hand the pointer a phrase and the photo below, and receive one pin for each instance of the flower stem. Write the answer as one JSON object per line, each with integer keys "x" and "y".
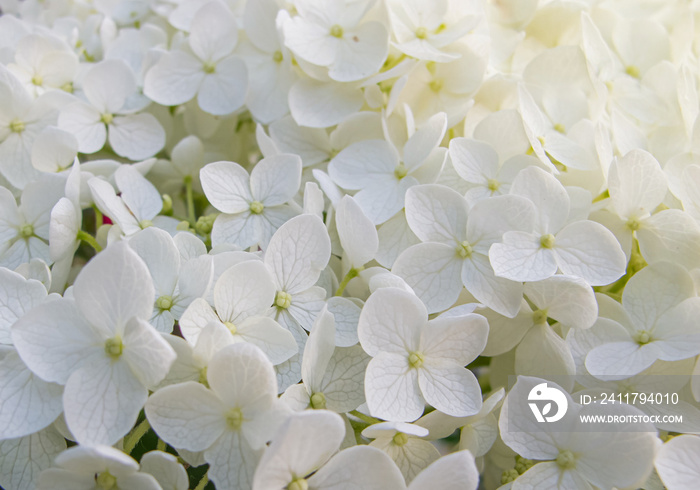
{"x": 203, "y": 482}
{"x": 133, "y": 437}
{"x": 365, "y": 418}
{"x": 352, "y": 273}
{"x": 90, "y": 240}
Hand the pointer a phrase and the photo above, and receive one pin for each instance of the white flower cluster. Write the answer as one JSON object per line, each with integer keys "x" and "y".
{"x": 302, "y": 244}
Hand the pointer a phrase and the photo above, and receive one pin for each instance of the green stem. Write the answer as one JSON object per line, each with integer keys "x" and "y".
{"x": 98, "y": 218}
{"x": 190, "y": 201}
{"x": 203, "y": 482}
{"x": 90, "y": 240}
{"x": 352, "y": 273}
{"x": 365, "y": 418}
{"x": 161, "y": 446}
{"x": 133, "y": 437}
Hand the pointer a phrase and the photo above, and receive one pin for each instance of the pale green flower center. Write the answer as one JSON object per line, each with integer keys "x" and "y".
{"x": 547, "y": 241}
{"x": 256, "y": 207}
{"x": 114, "y": 347}
{"x": 234, "y": 419}
{"x": 437, "y": 84}
{"x": 231, "y": 327}
{"x": 632, "y": 71}
{"x": 106, "y": 481}
{"x": 318, "y": 401}
{"x": 26, "y": 231}
{"x": 509, "y": 476}
{"x": 145, "y": 223}
{"x": 298, "y": 484}
{"x": 67, "y": 87}
{"x": 422, "y": 33}
{"x": 539, "y": 316}
{"x": 164, "y": 302}
{"x": 633, "y": 224}
{"x": 209, "y": 67}
{"x": 566, "y": 460}
{"x": 107, "y": 118}
{"x": 643, "y": 337}
{"x": 337, "y": 31}
{"x": 277, "y": 57}
{"x": 416, "y": 359}
{"x": 560, "y": 128}
{"x": 493, "y": 184}
{"x": 400, "y": 439}
{"x": 523, "y": 464}
{"x": 203, "y": 377}
{"x": 464, "y": 249}
{"x": 400, "y": 171}
{"x": 17, "y": 126}
{"x": 37, "y": 80}
{"x": 283, "y": 299}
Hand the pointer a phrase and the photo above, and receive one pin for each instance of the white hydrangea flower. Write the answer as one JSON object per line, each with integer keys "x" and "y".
{"x": 582, "y": 247}
{"x": 100, "y": 345}
{"x": 253, "y": 206}
{"x": 574, "y": 457}
{"x": 206, "y": 67}
{"x": 107, "y": 115}
{"x": 305, "y": 445}
{"x": 404, "y": 443}
{"x": 374, "y": 168}
{"x": 334, "y": 35}
{"x": 657, "y": 315}
{"x": 95, "y": 467}
{"x": 415, "y": 360}
{"x": 230, "y": 422}
{"x": 333, "y": 378}
{"x": 455, "y": 247}
{"x": 242, "y": 297}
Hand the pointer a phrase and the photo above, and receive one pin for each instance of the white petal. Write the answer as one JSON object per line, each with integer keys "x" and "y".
{"x": 391, "y": 387}
{"x": 187, "y": 415}
{"x": 54, "y": 339}
{"x": 360, "y": 53}
{"x": 543, "y": 353}
{"x": 318, "y": 351}
{"x": 28, "y": 403}
{"x": 364, "y": 466}
{"x": 275, "y": 341}
{"x": 589, "y": 250}
{"x": 242, "y": 376}
{"x": 450, "y": 388}
{"x": 363, "y": 163}
{"x": 225, "y": 90}
{"x": 391, "y": 321}
{"x": 108, "y": 84}
{"x": 137, "y": 136}
{"x": 107, "y": 201}
{"x": 141, "y": 197}
{"x": 343, "y": 382}
{"x": 460, "y": 339}
{"x": 213, "y": 32}
{"x": 433, "y": 271}
{"x": 436, "y": 213}
{"x": 242, "y": 291}
{"x": 83, "y": 121}
{"x": 226, "y": 186}
{"x": 175, "y": 79}
{"x": 17, "y": 297}
{"x": 320, "y": 105}
{"x": 549, "y": 196}
{"x": 474, "y": 161}
{"x": 670, "y": 235}
{"x": 357, "y": 233}
{"x": 166, "y": 469}
{"x": 456, "y": 471}
{"x": 521, "y": 257}
{"x": 23, "y": 459}
{"x": 275, "y": 180}
{"x": 567, "y": 299}
{"x": 232, "y": 461}
{"x": 347, "y": 315}
{"x": 297, "y": 253}
{"x": 501, "y": 295}
{"x": 677, "y": 462}
{"x": 102, "y": 402}
{"x": 114, "y": 287}
{"x": 157, "y": 249}
{"x": 302, "y": 445}
{"x": 149, "y": 356}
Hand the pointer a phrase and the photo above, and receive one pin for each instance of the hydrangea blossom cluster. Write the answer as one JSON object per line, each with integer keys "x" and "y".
{"x": 303, "y": 244}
